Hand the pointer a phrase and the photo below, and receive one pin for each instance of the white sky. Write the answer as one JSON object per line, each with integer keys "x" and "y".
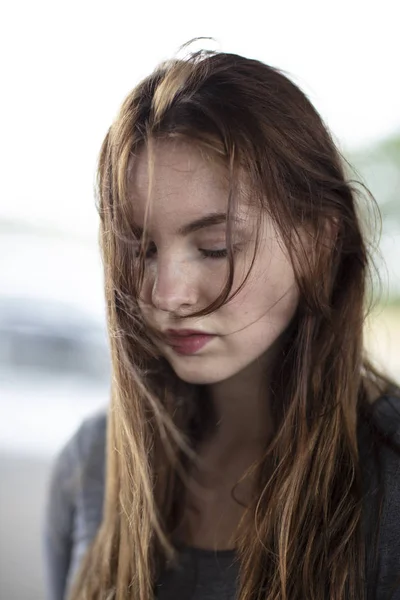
{"x": 68, "y": 65}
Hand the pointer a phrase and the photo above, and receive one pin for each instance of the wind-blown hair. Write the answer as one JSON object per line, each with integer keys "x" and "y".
{"x": 301, "y": 535}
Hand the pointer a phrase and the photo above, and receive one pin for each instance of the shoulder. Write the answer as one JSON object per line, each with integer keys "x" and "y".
{"x": 380, "y": 464}
{"x": 387, "y": 416}
{"x": 90, "y": 433}
{"x": 74, "y": 502}
{"x": 387, "y": 419}
{"x": 79, "y": 466}
{"x": 82, "y": 460}
{"x": 383, "y": 434}
{"x": 379, "y": 425}
{"x": 386, "y": 411}
{"x": 84, "y": 450}
{"x": 89, "y": 442}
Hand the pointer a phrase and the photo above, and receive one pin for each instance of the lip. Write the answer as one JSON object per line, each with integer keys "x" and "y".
{"x": 187, "y": 341}
{"x": 185, "y": 332}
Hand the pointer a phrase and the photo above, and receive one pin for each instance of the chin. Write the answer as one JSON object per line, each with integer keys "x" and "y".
{"x": 199, "y": 374}
{"x": 202, "y": 379}
{"x": 194, "y": 376}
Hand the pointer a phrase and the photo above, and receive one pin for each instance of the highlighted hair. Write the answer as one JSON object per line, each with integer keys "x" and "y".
{"x": 301, "y": 536}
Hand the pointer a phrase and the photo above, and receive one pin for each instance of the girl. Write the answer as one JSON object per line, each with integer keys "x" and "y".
{"x": 252, "y": 451}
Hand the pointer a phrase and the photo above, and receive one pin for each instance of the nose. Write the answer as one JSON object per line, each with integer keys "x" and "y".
{"x": 173, "y": 288}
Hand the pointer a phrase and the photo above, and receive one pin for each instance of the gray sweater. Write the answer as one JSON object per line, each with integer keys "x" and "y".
{"x": 74, "y": 511}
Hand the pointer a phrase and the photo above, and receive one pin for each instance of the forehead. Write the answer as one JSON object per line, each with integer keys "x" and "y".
{"x": 177, "y": 179}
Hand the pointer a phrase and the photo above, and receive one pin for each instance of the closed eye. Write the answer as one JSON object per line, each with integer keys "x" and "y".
{"x": 213, "y": 254}
{"x": 223, "y": 253}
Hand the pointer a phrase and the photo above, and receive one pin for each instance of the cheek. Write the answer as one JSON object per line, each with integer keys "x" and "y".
{"x": 270, "y": 289}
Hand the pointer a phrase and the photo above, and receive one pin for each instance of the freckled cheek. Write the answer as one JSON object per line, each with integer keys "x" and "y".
{"x": 266, "y": 287}
{"x": 254, "y": 288}
{"x": 210, "y": 285}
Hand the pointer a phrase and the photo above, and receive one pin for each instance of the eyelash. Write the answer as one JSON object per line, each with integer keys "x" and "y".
{"x": 213, "y": 254}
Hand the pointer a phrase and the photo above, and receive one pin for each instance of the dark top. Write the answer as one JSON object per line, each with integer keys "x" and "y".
{"x": 74, "y": 511}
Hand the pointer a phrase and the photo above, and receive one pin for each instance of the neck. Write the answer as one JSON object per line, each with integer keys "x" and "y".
{"x": 242, "y": 408}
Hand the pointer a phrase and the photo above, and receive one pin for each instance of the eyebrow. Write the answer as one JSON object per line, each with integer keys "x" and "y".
{"x": 202, "y": 223}
{"x": 206, "y": 221}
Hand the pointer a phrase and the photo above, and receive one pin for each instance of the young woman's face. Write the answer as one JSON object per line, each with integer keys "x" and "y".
{"x": 186, "y": 267}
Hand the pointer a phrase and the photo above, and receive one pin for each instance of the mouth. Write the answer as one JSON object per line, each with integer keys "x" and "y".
{"x": 187, "y": 341}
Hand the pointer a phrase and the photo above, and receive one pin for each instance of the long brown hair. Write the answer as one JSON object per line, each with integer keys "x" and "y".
{"x": 301, "y": 536}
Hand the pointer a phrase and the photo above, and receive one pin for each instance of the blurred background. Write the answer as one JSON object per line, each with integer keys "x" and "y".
{"x": 66, "y": 68}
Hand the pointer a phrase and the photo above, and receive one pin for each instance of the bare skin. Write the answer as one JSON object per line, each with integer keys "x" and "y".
{"x": 214, "y": 523}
